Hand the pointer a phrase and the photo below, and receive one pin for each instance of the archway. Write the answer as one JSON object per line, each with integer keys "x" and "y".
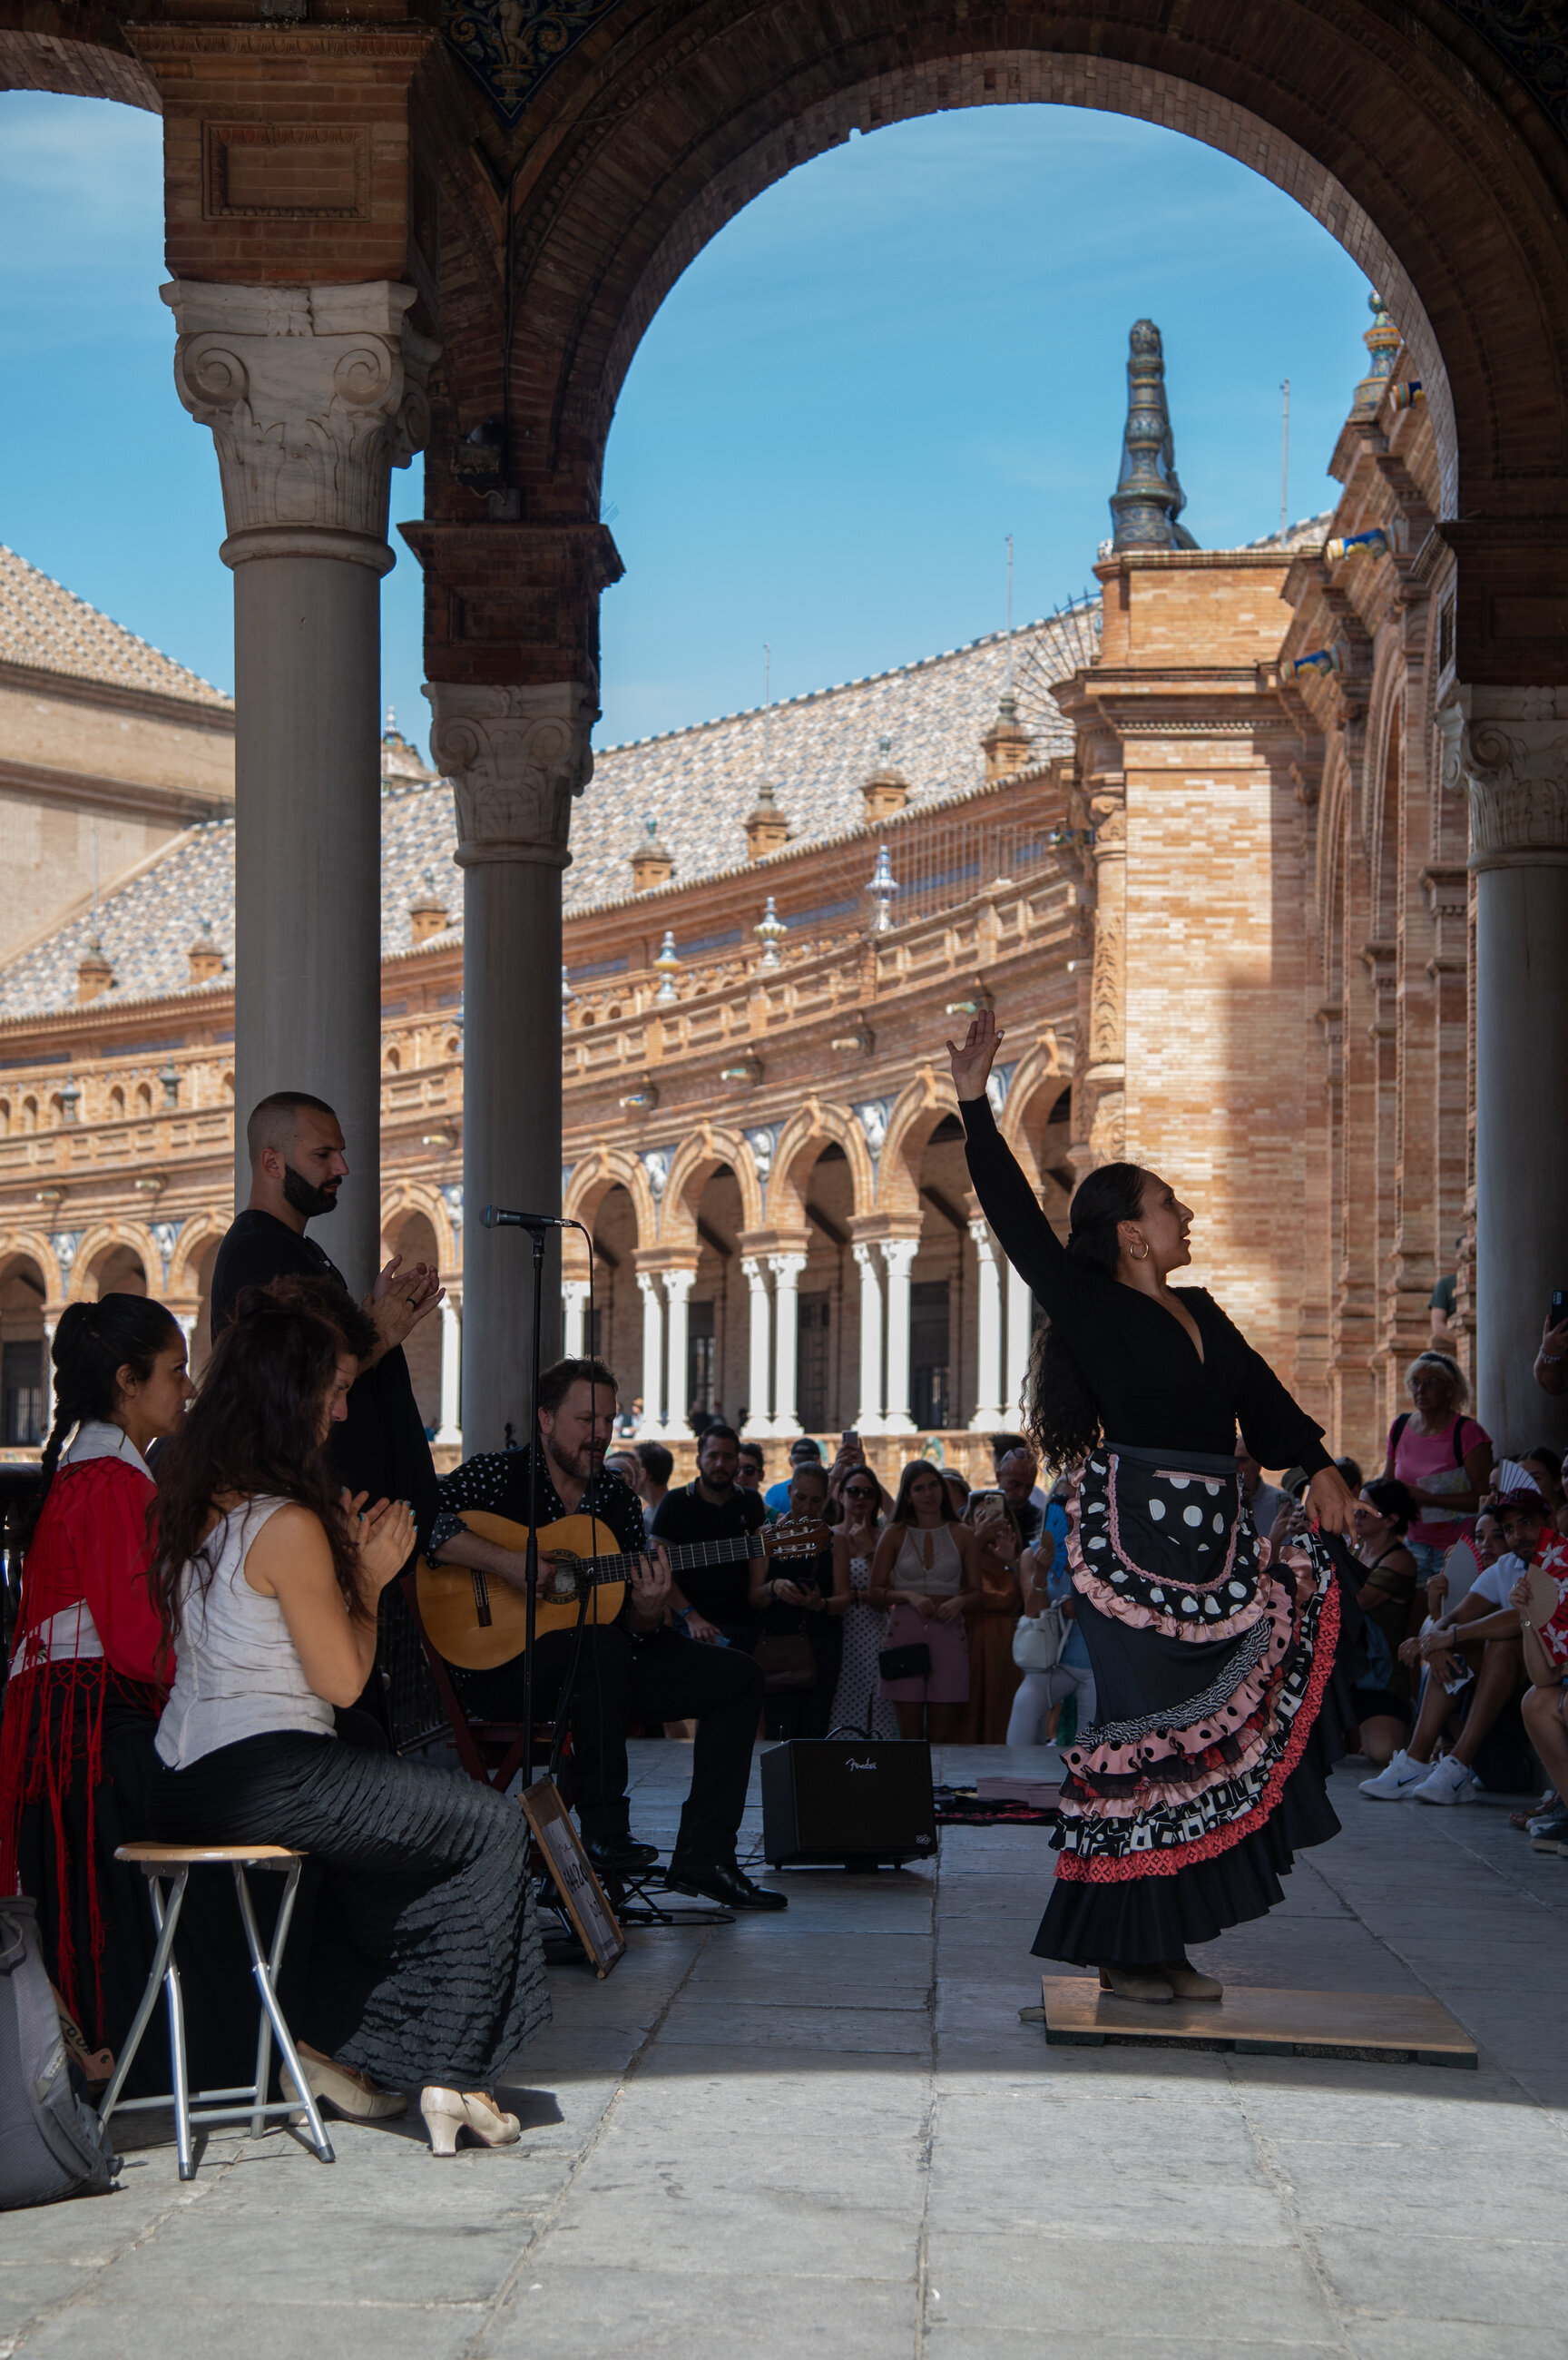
{"x": 24, "y": 1389}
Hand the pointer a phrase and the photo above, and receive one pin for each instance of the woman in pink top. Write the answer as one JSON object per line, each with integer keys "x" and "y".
{"x": 1443, "y": 1457}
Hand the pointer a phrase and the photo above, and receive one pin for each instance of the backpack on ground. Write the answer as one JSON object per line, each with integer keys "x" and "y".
{"x": 51, "y": 2143}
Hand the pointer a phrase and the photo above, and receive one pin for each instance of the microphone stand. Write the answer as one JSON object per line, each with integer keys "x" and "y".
{"x": 530, "y": 1557}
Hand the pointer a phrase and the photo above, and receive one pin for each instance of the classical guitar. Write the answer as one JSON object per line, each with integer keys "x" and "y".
{"x": 476, "y": 1622}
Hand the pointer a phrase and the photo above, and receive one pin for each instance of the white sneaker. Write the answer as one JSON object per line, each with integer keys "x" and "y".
{"x": 1400, "y": 1778}
{"x": 1448, "y": 1782}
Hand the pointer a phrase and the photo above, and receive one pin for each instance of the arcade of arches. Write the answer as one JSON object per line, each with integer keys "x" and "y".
{"x": 383, "y": 234}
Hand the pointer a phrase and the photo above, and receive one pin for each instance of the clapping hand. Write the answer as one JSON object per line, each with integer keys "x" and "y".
{"x": 971, "y": 1060}
{"x": 385, "y": 1538}
{"x": 400, "y": 1298}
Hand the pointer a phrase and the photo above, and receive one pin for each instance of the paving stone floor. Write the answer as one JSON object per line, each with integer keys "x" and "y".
{"x": 830, "y": 2133}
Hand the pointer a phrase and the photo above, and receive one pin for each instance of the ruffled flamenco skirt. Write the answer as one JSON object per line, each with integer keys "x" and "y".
{"x": 1223, "y": 1685}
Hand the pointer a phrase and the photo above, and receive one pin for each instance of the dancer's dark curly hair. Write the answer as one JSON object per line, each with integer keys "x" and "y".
{"x": 1062, "y": 1422}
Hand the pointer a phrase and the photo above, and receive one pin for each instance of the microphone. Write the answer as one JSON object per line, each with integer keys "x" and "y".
{"x": 495, "y": 1217}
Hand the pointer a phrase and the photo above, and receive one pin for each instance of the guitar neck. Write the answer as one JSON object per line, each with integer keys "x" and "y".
{"x": 684, "y": 1554}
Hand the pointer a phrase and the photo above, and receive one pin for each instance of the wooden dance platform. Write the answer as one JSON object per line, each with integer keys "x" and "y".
{"x": 1371, "y": 2026}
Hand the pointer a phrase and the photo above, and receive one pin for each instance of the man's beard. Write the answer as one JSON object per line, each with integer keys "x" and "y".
{"x": 312, "y": 1202}
{"x": 584, "y": 1467}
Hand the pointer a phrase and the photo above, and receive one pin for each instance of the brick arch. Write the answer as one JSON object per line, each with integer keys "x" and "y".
{"x": 415, "y": 1196}
{"x": 592, "y": 1181}
{"x": 696, "y": 1161}
{"x": 201, "y": 1230}
{"x": 1386, "y": 722}
{"x": 1038, "y": 1082}
{"x": 81, "y": 52}
{"x": 653, "y": 136}
{"x": 32, "y": 1245}
{"x": 801, "y": 1141}
{"x": 102, "y": 1239}
{"x": 917, "y": 1111}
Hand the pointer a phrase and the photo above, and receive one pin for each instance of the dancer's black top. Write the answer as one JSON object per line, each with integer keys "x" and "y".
{"x": 1148, "y": 1383}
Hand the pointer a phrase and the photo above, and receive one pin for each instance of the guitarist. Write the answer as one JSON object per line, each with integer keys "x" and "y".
{"x": 636, "y": 1668}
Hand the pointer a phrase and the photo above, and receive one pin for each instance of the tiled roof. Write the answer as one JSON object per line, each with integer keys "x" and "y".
{"x": 48, "y": 628}
{"x": 699, "y": 783}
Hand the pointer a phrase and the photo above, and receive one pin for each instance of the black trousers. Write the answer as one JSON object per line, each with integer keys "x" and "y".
{"x": 425, "y": 1964}
{"x": 621, "y": 1679}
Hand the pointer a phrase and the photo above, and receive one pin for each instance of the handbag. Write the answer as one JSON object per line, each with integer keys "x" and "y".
{"x": 788, "y": 1662}
{"x": 1038, "y": 1640}
{"x": 910, "y": 1663}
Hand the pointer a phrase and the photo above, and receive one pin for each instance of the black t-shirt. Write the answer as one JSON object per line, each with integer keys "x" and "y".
{"x": 380, "y": 1447}
{"x": 722, "y": 1592}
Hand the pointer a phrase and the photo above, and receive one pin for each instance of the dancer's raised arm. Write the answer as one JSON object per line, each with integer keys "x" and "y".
{"x": 1009, "y": 1204}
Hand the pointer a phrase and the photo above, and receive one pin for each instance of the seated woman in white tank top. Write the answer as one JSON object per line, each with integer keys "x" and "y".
{"x": 426, "y": 1970}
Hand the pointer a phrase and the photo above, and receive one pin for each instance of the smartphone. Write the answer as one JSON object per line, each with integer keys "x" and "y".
{"x": 850, "y": 1439}
{"x": 1559, "y": 1310}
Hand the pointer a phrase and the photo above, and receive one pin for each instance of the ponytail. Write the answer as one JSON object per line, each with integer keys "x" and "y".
{"x": 1061, "y": 1419}
{"x": 93, "y": 1342}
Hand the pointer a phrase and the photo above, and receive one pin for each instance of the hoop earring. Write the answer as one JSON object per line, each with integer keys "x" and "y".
{"x": 1139, "y": 1257}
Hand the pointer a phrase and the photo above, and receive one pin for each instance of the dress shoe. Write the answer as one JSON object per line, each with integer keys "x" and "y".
{"x": 1187, "y": 1982}
{"x": 447, "y": 2112}
{"x": 619, "y": 1853}
{"x": 725, "y": 1883}
{"x": 1136, "y": 1982}
{"x": 352, "y": 2093}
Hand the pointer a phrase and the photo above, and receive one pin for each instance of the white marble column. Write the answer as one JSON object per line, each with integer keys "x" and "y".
{"x": 786, "y": 1269}
{"x": 516, "y": 757}
{"x": 450, "y": 1430}
{"x": 868, "y": 1418}
{"x": 899, "y": 1254}
{"x": 758, "y": 1426}
{"x": 49, "y": 1326}
{"x": 988, "y": 1377}
{"x": 1020, "y": 1341}
{"x": 574, "y": 1309}
{"x": 652, "y": 1426}
{"x": 1507, "y": 749}
{"x": 676, "y": 1290}
{"x": 313, "y": 394}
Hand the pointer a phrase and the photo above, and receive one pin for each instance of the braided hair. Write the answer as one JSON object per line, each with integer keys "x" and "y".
{"x": 93, "y": 1342}
{"x": 1062, "y": 1420}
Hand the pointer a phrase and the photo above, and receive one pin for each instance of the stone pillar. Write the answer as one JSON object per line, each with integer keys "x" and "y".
{"x": 787, "y": 1268}
{"x": 450, "y": 1430}
{"x": 652, "y": 1425}
{"x": 758, "y": 1426}
{"x": 516, "y": 757}
{"x": 313, "y": 394}
{"x": 1507, "y": 749}
{"x": 49, "y": 1327}
{"x": 678, "y": 1286}
{"x": 1020, "y": 1340}
{"x": 869, "y": 1419}
{"x": 988, "y": 1378}
{"x": 574, "y": 1307}
{"x": 899, "y": 1254}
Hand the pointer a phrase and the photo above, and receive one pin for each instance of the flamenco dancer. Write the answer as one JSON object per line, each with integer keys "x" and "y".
{"x": 1184, "y": 1806}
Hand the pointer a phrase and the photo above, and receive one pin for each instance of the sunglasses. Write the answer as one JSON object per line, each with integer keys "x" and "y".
{"x": 858, "y": 1492}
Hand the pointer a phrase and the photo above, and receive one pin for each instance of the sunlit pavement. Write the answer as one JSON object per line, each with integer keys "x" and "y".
{"x": 830, "y": 2133}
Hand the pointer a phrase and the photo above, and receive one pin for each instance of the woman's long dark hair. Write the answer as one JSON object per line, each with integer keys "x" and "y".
{"x": 253, "y": 1431}
{"x": 1062, "y": 1421}
{"x": 92, "y": 1344}
{"x": 1392, "y": 1498}
{"x": 903, "y": 1514}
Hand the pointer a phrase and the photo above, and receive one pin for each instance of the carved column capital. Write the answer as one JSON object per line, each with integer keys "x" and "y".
{"x": 516, "y": 758}
{"x": 313, "y": 395}
{"x": 1505, "y": 749}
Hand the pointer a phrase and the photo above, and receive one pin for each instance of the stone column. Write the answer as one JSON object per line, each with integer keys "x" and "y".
{"x": 899, "y": 1254}
{"x": 516, "y": 758}
{"x": 678, "y": 1286}
{"x": 450, "y": 1430}
{"x": 869, "y": 1419}
{"x": 49, "y": 1327}
{"x": 787, "y": 1268}
{"x": 1020, "y": 1340}
{"x": 1507, "y": 749}
{"x": 988, "y": 1379}
{"x": 313, "y": 394}
{"x": 758, "y": 1426}
{"x": 574, "y": 1307}
{"x": 652, "y": 1425}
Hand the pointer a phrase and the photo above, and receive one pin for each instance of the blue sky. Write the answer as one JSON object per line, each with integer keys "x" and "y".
{"x": 900, "y": 354}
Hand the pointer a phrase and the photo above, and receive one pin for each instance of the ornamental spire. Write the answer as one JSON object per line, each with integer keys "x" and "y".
{"x": 1148, "y": 496}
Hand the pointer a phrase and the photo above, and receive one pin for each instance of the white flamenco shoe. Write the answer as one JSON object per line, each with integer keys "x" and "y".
{"x": 447, "y": 2112}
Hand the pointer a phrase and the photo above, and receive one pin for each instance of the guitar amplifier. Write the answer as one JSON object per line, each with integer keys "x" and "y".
{"x": 847, "y": 1802}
